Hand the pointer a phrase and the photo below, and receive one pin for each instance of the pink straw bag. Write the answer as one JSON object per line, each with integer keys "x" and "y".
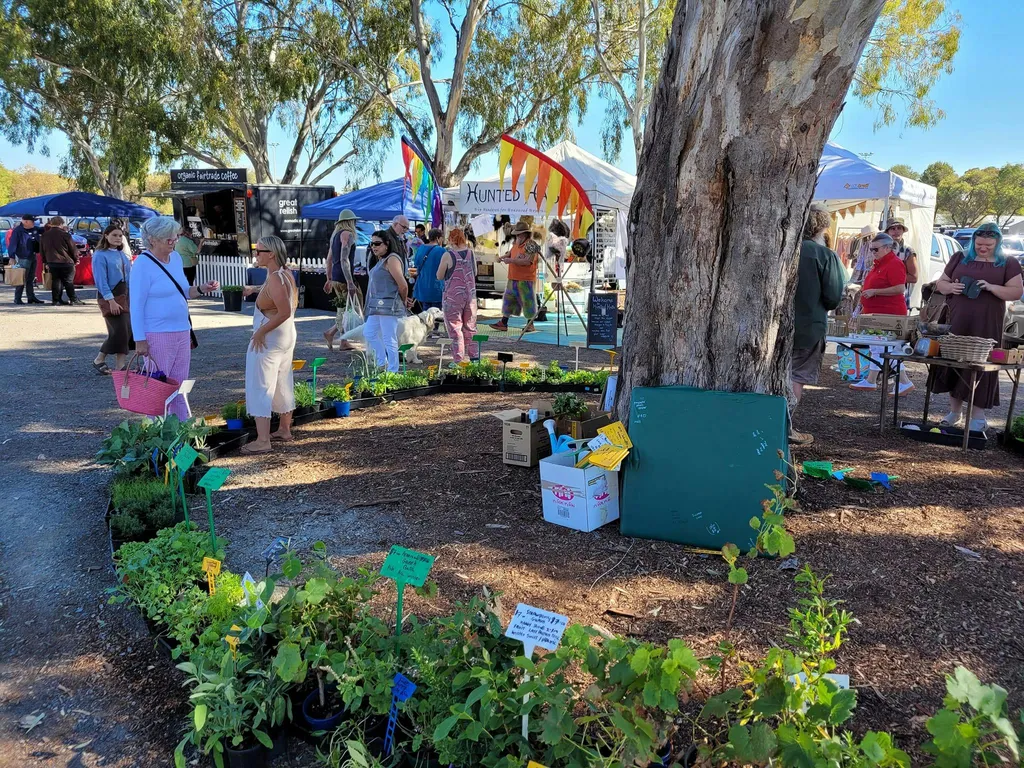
{"x": 139, "y": 393}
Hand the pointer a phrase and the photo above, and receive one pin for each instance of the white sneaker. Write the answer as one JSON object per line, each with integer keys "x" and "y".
{"x": 978, "y": 425}
{"x": 863, "y": 384}
{"x": 905, "y": 388}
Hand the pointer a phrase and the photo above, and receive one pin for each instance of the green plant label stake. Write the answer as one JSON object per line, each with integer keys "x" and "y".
{"x": 406, "y": 566}
{"x": 535, "y": 627}
{"x": 317, "y": 362}
{"x": 182, "y": 462}
{"x": 212, "y": 481}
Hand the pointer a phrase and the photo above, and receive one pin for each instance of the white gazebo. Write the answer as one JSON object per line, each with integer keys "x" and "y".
{"x": 861, "y": 194}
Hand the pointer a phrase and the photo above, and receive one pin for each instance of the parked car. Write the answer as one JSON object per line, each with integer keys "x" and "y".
{"x": 6, "y": 225}
{"x": 943, "y": 249}
{"x": 1013, "y": 246}
{"x": 963, "y": 236}
{"x": 91, "y": 228}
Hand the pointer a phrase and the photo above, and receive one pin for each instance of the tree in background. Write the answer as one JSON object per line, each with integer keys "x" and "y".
{"x": 1008, "y": 194}
{"x": 936, "y": 172}
{"x": 515, "y": 68}
{"x": 906, "y": 171}
{"x": 28, "y": 181}
{"x": 248, "y": 67}
{"x": 981, "y": 192}
{"x": 912, "y": 45}
{"x": 84, "y": 73}
{"x": 747, "y": 96}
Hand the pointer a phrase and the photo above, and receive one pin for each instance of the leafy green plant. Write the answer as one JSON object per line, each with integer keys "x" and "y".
{"x": 554, "y": 372}
{"x": 973, "y": 727}
{"x": 233, "y": 411}
{"x": 129, "y": 447}
{"x": 147, "y": 500}
{"x": 569, "y": 405}
{"x": 126, "y": 527}
{"x": 234, "y": 705}
{"x": 303, "y": 394}
{"x": 337, "y": 392}
{"x": 231, "y": 289}
{"x": 1017, "y": 427}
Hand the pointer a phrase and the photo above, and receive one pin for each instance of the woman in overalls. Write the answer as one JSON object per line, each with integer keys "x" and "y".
{"x": 458, "y": 270}
{"x": 387, "y": 302}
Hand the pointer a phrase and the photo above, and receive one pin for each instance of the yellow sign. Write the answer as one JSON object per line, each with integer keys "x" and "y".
{"x": 617, "y": 434}
{"x": 297, "y": 364}
{"x": 608, "y": 456}
{"x": 533, "y": 764}
{"x": 232, "y": 640}
{"x": 211, "y": 567}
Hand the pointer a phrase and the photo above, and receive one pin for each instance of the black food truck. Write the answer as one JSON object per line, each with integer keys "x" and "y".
{"x": 229, "y": 214}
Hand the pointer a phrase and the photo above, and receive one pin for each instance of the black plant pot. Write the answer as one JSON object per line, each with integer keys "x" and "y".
{"x": 253, "y": 757}
{"x": 232, "y": 301}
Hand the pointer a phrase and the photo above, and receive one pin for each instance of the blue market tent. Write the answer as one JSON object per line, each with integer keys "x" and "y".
{"x": 381, "y": 202}
{"x": 77, "y": 204}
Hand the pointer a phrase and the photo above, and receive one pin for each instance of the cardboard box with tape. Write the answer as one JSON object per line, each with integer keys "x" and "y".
{"x": 524, "y": 444}
{"x": 899, "y": 326}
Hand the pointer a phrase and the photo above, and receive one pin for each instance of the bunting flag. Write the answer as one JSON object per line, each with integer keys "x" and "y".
{"x": 420, "y": 182}
{"x": 555, "y": 185}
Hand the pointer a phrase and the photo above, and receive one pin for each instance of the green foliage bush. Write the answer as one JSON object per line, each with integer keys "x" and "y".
{"x": 129, "y": 447}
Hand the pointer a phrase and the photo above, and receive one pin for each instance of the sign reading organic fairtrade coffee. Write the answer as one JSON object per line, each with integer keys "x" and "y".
{"x": 183, "y": 177}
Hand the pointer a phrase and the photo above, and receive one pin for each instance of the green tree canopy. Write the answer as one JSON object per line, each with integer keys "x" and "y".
{"x": 936, "y": 172}
{"x": 905, "y": 171}
{"x": 83, "y": 72}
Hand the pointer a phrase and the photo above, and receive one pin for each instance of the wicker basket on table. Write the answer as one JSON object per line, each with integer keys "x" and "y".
{"x": 966, "y": 349}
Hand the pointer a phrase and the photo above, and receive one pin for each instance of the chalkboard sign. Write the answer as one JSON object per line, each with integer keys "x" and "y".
{"x": 700, "y": 463}
{"x": 603, "y": 320}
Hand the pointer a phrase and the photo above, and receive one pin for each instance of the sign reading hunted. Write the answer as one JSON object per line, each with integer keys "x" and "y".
{"x": 489, "y": 197}
{"x": 181, "y": 177}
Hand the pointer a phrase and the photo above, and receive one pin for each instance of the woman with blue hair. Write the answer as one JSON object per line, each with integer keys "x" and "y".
{"x": 977, "y": 313}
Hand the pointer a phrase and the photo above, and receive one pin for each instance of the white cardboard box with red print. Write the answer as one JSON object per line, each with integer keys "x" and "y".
{"x": 584, "y": 499}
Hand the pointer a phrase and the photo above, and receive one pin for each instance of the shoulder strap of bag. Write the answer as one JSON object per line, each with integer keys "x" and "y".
{"x": 173, "y": 282}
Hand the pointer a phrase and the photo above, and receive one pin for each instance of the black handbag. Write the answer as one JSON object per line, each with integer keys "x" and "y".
{"x": 191, "y": 333}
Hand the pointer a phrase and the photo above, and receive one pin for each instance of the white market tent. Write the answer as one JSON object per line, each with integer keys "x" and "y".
{"x": 861, "y": 194}
{"x": 610, "y": 191}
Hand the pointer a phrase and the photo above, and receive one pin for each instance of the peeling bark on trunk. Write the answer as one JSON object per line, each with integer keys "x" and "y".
{"x": 747, "y": 96}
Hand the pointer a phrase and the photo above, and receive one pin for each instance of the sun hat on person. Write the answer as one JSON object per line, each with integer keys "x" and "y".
{"x": 868, "y": 230}
{"x": 896, "y": 222}
{"x": 347, "y": 215}
{"x": 520, "y": 228}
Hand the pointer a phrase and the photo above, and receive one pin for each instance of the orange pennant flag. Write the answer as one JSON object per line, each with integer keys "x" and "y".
{"x": 554, "y": 186}
{"x": 518, "y": 158}
{"x": 532, "y": 162}
{"x": 563, "y": 196}
{"x": 542, "y": 182}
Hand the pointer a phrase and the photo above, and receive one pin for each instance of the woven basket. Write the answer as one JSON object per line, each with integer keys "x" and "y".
{"x": 966, "y": 349}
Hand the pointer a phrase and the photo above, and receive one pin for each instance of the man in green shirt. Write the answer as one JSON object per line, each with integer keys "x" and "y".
{"x": 819, "y": 288}
{"x": 189, "y": 252}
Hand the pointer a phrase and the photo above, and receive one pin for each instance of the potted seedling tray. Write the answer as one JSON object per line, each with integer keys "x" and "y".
{"x": 407, "y": 394}
{"x": 311, "y": 413}
{"x": 951, "y": 436}
{"x": 224, "y": 442}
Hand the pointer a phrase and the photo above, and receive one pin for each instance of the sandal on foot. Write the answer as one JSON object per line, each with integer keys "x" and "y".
{"x": 282, "y": 439}
{"x": 248, "y": 449}
{"x": 102, "y": 369}
{"x": 951, "y": 419}
{"x": 978, "y": 425}
{"x": 330, "y": 340}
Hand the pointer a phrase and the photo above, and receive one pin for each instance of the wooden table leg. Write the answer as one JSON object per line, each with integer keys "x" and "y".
{"x": 896, "y": 396}
{"x": 1013, "y": 402}
{"x": 885, "y": 392}
{"x": 970, "y": 408}
{"x": 927, "y": 396}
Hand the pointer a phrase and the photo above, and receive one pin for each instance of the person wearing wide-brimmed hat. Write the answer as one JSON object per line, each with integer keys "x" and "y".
{"x": 896, "y": 228}
{"x": 860, "y": 255}
{"x": 520, "y": 297}
{"x": 984, "y": 264}
{"x": 342, "y": 279}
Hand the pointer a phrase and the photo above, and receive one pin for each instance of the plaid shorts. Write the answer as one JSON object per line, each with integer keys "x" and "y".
{"x": 519, "y": 299}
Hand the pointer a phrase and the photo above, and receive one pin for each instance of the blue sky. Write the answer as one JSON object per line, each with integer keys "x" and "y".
{"x": 969, "y": 136}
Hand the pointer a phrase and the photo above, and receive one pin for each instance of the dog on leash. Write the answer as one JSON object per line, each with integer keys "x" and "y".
{"x": 411, "y": 330}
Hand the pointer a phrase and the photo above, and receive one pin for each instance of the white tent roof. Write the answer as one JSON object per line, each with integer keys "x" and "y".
{"x": 605, "y": 185}
{"x": 843, "y": 176}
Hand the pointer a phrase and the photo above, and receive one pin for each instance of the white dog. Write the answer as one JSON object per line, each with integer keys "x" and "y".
{"x": 412, "y": 329}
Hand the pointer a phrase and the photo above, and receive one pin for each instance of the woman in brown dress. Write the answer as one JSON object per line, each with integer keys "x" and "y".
{"x": 1000, "y": 281}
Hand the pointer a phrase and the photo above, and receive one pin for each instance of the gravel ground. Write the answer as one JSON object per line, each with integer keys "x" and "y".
{"x": 427, "y": 473}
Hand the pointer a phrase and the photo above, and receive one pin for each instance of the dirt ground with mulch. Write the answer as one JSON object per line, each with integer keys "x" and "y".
{"x": 427, "y": 474}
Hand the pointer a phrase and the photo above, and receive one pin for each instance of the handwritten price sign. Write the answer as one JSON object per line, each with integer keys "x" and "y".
{"x": 535, "y": 627}
{"x": 407, "y": 566}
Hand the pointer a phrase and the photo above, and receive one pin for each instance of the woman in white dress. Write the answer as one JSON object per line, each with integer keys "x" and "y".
{"x": 268, "y": 363}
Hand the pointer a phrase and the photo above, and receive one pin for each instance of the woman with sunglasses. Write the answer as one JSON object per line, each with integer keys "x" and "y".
{"x": 269, "y": 386}
{"x": 387, "y": 301}
{"x": 110, "y": 269}
{"x": 990, "y": 280}
{"x": 882, "y": 294}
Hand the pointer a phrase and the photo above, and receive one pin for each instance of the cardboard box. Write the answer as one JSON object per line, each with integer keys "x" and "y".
{"x": 585, "y": 429}
{"x": 900, "y": 326}
{"x": 524, "y": 444}
{"x": 583, "y": 499}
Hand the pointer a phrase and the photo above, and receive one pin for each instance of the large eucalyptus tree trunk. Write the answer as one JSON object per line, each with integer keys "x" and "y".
{"x": 748, "y": 93}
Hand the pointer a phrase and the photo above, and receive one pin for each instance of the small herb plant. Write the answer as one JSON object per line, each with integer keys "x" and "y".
{"x": 569, "y": 405}
{"x": 303, "y": 394}
{"x": 129, "y": 447}
{"x": 233, "y": 411}
{"x": 231, "y": 289}
{"x": 338, "y": 392}
{"x": 141, "y": 505}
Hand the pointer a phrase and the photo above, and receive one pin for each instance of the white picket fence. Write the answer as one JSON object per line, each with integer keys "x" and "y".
{"x": 226, "y": 270}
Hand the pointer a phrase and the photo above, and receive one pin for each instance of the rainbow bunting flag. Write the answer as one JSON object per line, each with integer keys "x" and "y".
{"x": 421, "y": 183}
{"x": 555, "y": 185}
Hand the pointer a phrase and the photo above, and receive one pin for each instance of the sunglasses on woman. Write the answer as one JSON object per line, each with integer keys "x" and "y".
{"x": 375, "y": 243}
{"x": 874, "y": 250}
{"x": 263, "y": 250}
